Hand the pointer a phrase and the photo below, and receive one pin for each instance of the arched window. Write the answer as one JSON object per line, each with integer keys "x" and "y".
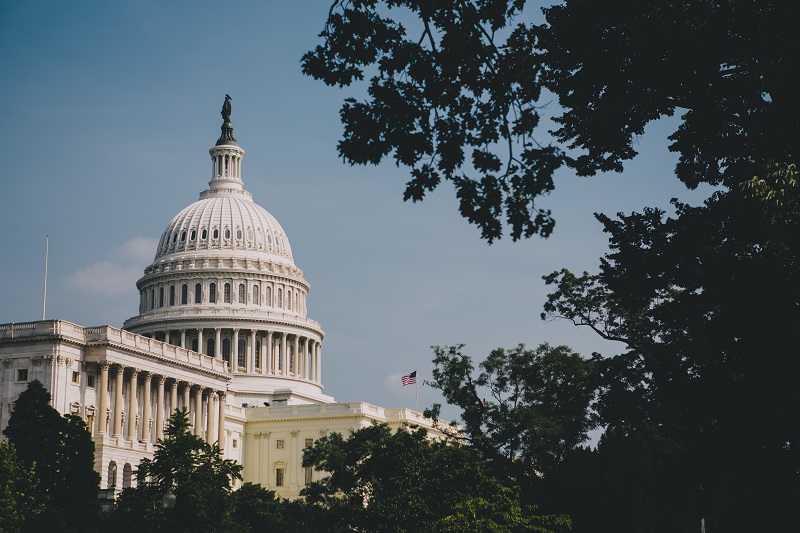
{"x": 211, "y": 347}
{"x": 193, "y": 235}
{"x": 172, "y": 295}
{"x": 288, "y": 300}
{"x": 226, "y": 349}
{"x": 194, "y": 344}
{"x": 161, "y": 296}
{"x": 242, "y": 294}
{"x": 152, "y": 298}
{"x": 227, "y": 293}
{"x": 198, "y": 293}
{"x": 280, "y": 298}
{"x": 184, "y": 294}
{"x": 256, "y": 295}
{"x": 112, "y": 474}
{"x": 204, "y": 234}
{"x": 215, "y": 233}
{"x": 269, "y": 296}
{"x": 127, "y": 474}
{"x": 295, "y": 301}
{"x": 257, "y": 355}
{"x": 227, "y": 233}
{"x": 240, "y": 353}
{"x": 212, "y": 293}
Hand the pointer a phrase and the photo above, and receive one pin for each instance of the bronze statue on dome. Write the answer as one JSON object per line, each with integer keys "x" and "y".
{"x": 226, "y": 108}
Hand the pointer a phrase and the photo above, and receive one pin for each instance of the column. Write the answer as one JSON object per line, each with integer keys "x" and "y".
{"x": 160, "y": 407}
{"x": 148, "y": 377}
{"x": 210, "y": 416}
{"x": 118, "y": 402}
{"x": 282, "y": 355}
{"x": 218, "y": 343}
{"x": 296, "y": 356}
{"x": 186, "y": 404}
{"x": 251, "y": 353}
{"x": 133, "y": 407}
{"x": 312, "y": 374}
{"x": 221, "y": 423}
{"x": 269, "y": 364}
{"x": 166, "y": 332}
{"x": 200, "y": 347}
{"x": 102, "y": 425}
{"x": 173, "y": 396}
{"x": 235, "y": 351}
{"x": 183, "y": 338}
{"x": 319, "y": 362}
{"x": 198, "y": 412}
{"x": 304, "y": 359}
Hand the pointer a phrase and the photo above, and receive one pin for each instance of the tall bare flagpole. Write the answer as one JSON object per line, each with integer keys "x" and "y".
{"x": 46, "y": 253}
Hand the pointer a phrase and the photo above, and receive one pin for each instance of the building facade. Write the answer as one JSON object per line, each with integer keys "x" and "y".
{"x": 221, "y": 330}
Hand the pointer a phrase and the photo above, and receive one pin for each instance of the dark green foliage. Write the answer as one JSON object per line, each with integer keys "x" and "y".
{"x": 402, "y": 481}
{"x": 196, "y": 473}
{"x": 61, "y": 453}
{"x": 18, "y": 489}
{"x": 457, "y": 89}
{"x": 525, "y": 410}
{"x": 707, "y": 304}
{"x": 256, "y": 509}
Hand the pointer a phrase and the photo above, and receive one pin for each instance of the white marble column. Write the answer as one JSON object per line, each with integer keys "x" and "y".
{"x": 133, "y": 407}
{"x": 251, "y": 353}
{"x": 102, "y": 421}
{"x": 117, "y": 432}
{"x": 146, "y": 407}
{"x": 198, "y": 412}
{"x": 173, "y": 397}
{"x": 221, "y": 421}
{"x": 210, "y": 416}
{"x": 159, "y": 407}
{"x": 217, "y": 343}
{"x": 200, "y": 347}
{"x": 269, "y": 365}
{"x": 235, "y": 351}
{"x": 282, "y": 355}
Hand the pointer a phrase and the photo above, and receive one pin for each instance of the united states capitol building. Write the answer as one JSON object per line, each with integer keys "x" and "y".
{"x": 221, "y": 330}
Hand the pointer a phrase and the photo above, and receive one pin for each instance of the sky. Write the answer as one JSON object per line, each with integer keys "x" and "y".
{"x": 109, "y": 109}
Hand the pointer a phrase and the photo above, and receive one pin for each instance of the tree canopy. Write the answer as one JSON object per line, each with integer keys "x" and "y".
{"x": 458, "y": 91}
{"x": 60, "y": 452}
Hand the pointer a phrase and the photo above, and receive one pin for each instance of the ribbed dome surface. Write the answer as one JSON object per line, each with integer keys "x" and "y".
{"x": 225, "y": 220}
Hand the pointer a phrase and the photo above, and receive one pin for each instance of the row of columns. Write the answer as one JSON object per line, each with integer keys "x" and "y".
{"x": 193, "y": 398}
{"x": 291, "y": 356}
{"x": 277, "y": 296}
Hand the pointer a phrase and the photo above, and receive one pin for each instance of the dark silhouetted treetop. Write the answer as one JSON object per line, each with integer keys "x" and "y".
{"x": 457, "y": 89}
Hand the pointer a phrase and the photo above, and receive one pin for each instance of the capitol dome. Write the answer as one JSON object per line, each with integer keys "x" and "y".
{"x": 223, "y": 283}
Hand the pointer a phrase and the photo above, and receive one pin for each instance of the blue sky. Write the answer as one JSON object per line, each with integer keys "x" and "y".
{"x": 109, "y": 109}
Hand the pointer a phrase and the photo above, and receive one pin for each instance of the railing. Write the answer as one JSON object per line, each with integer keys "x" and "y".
{"x": 223, "y": 312}
{"x": 351, "y": 408}
{"x": 50, "y": 328}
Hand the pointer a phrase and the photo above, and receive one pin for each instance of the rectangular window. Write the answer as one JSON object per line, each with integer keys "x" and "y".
{"x": 308, "y": 476}
{"x": 22, "y": 374}
{"x": 279, "y": 444}
{"x": 76, "y": 378}
{"x": 309, "y": 443}
{"x": 279, "y": 477}
{"x": 90, "y": 380}
{"x": 235, "y": 443}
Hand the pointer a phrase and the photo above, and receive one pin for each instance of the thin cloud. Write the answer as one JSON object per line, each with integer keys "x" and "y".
{"x": 105, "y": 278}
{"x": 140, "y": 250}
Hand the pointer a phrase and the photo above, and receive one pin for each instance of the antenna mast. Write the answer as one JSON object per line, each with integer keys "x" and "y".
{"x": 46, "y": 253}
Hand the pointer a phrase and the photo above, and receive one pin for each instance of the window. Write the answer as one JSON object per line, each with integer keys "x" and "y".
{"x": 226, "y": 349}
{"x": 76, "y": 378}
{"x": 235, "y": 443}
{"x": 152, "y": 298}
{"x": 112, "y": 474}
{"x": 240, "y": 353}
{"x": 227, "y": 233}
{"x": 172, "y": 295}
{"x": 127, "y": 474}
{"x": 211, "y": 347}
{"x": 193, "y": 235}
{"x": 22, "y": 374}
{"x": 204, "y": 234}
{"x": 269, "y": 296}
{"x": 279, "y": 444}
{"x": 195, "y": 344}
{"x": 309, "y": 443}
{"x": 174, "y": 238}
{"x": 256, "y": 295}
{"x": 257, "y": 356}
{"x": 91, "y": 379}
{"x": 161, "y": 296}
{"x": 279, "y": 477}
{"x": 280, "y": 298}
{"x": 198, "y": 293}
{"x": 184, "y": 294}
{"x": 227, "y": 293}
{"x": 212, "y": 293}
{"x": 183, "y": 237}
{"x": 238, "y": 235}
{"x": 308, "y": 475}
{"x": 242, "y": 294}
{"x": 215, "y": 233}
{"x": 288, "y": 300}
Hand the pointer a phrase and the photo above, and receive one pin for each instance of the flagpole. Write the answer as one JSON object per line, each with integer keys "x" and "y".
{"x": 46, "y": 253}
{"x": 416, "y": 390}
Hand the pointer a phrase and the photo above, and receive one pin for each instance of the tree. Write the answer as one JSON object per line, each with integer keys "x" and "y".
{"x": 707, "y": 304}
{"x": 457, "y": 91}
{"x": 18, "y": 487}
{"x": 194, "y": 471}
{"x": 525, "y": 410}
{"x": 380, "y": 480}
{"x": 61, "y": 453}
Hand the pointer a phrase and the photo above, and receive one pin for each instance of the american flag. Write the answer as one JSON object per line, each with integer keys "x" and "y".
{"x": 409, "y": 379}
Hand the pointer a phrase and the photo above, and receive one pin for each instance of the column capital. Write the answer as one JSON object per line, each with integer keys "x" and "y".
{"x": 146, "y": 376}
{"x": 103, "y": 365}
{"x": 135, "y": 372}
{"x": 160, "y": 379}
